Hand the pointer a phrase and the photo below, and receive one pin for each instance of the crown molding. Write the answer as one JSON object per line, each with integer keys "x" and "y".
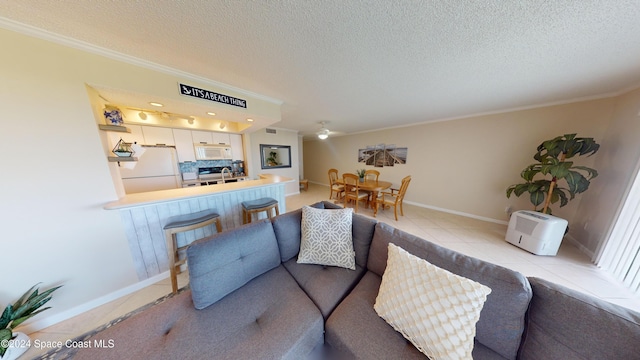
{"x": 33, "y": 31}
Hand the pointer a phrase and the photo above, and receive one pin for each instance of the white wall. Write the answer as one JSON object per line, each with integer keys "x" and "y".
{"x": 56, "y": 177}
{"x": 616, "y": 163}
{"x": 466, "y": 165}
{"x": 281, "y": 137}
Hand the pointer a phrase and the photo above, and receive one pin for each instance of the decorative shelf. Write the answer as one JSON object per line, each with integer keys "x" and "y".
{"x": 116, "y": 128}
{"x": 122, "y": 158}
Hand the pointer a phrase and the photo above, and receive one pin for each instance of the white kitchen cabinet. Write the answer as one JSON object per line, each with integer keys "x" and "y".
{"x": 237, "y": 149}
{"x": 202, "y": 137}
{"x": 184, "y": 145}
{"x": 135, "y": 136}
{"x": 157, "y": 135}
{"x": 221, "y": 138}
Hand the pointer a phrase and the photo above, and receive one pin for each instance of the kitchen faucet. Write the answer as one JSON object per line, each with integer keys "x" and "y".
{"x": 222, "y": 173}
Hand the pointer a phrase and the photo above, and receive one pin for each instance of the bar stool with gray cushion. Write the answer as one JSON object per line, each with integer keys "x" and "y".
{"x": 256, "y": 206}
{"x": 180, "y": 223}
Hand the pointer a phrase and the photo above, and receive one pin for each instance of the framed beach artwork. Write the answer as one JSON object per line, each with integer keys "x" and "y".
{"x": 382, "y": 155}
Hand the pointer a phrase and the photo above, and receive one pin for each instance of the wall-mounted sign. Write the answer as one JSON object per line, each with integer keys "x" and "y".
{"x": 192, "y": 91}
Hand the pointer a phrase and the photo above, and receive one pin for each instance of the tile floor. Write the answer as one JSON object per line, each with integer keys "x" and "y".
{"x": 480, "y": 239}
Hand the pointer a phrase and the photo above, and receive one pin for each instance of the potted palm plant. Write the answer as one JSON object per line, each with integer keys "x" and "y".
{"x": 545, "y": 179}
{"x": 272, "y": 160}
{"x": 13, "y": 344}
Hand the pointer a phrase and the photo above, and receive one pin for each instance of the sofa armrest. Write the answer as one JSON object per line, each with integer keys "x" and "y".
{"x": 566, "y": 324}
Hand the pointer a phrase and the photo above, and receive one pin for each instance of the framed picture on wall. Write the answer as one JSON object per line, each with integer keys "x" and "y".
{"x": 400, "y": 155}
{"x": 379, "y": 157}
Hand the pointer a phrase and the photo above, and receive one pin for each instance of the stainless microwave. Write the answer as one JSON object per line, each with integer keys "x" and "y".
{"x": 212, "y": 152}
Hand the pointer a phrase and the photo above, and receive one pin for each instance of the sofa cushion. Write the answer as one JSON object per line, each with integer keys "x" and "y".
{"x": 431, "y": 307}
{"x": 325, "y": 285}
{"x": 355, "y": 331}
{"x": 287, "y": 229}
{"x": 226, "y": 261}
{"x": 363, "y": 228}
{"x": 567, "y": 324}
{"x": 268, "y": 318}
{"x": 326, "y": 238}
{"x": 502, "y": 318}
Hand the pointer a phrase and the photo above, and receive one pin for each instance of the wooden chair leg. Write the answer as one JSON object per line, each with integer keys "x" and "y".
{"x": 171, "y": 249}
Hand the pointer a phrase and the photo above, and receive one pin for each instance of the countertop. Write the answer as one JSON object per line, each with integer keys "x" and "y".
{"x": 153, "y": 197}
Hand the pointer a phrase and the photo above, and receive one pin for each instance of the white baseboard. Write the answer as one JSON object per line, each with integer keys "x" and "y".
{"x": 68, "y": 314}
{"x": 501, "y": 222}
{"x": 580, "y": 247}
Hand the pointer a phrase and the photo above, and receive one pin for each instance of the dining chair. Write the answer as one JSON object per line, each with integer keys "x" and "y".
{"x": 333, "y": 184}
{"x": 371, "y": 175}
{"x": 352, "y": 190}
{"x": 395, "y": 197}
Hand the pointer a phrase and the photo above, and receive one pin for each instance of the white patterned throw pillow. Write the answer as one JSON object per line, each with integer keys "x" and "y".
{"x": 431, "y": 307}
{"x": 326, "y": 237}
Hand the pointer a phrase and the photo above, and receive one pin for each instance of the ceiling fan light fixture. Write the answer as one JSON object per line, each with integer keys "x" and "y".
{"x": 323, "y": 133}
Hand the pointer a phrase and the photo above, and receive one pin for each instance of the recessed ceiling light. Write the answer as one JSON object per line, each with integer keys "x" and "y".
{"x": 211, "y": 113}
{"x": 250, "y": 120}
{"x": 156, "y": 104}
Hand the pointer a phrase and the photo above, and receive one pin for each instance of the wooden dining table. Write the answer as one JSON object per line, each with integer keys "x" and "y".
{"x": 373, "y": 186}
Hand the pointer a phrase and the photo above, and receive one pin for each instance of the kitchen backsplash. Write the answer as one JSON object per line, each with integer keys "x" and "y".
{"x": 191, "y": 166}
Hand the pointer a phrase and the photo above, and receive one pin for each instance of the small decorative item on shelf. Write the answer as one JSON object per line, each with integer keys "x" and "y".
{"x": 13, "y": 344}
{"x": 123, "y": 149}
{"x": 113, "y": 115}
{"x": 361, "y": 174}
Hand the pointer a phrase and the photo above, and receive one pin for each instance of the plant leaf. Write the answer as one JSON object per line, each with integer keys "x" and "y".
{"x": 563, "y": 197}
{"x": 530, "y": 172}
{"x": 577, "y": 183}
{"x": 589, "y": 146}
{"x": 591, "y": 173}
{"x": 561, "y": 170}
{"x": 33, "y": 303}
{"x": 537, "y": 197}
{"x": 17, "y": 322}
{"x": 5, "y": 334}
{"x": 25, "y": 296}
{"x": 6, "y": 316}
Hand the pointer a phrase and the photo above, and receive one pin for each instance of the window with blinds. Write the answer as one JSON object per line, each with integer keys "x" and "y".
{"x": 621, "y": 254}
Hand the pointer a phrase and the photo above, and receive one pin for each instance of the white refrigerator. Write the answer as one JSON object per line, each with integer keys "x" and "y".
{"x": 156, "y": 169}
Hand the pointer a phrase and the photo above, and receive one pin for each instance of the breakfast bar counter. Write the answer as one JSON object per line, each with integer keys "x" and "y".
{"x": 144, "y": 215}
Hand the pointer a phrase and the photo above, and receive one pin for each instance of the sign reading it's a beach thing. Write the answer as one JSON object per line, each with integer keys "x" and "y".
{"x": 193, "y": 91}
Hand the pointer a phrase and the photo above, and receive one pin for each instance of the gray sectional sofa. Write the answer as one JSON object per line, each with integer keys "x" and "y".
{"x": 250, "y": 299}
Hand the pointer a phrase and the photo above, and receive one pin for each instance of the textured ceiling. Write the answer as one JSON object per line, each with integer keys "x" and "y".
{"x": 364, "y": 65}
